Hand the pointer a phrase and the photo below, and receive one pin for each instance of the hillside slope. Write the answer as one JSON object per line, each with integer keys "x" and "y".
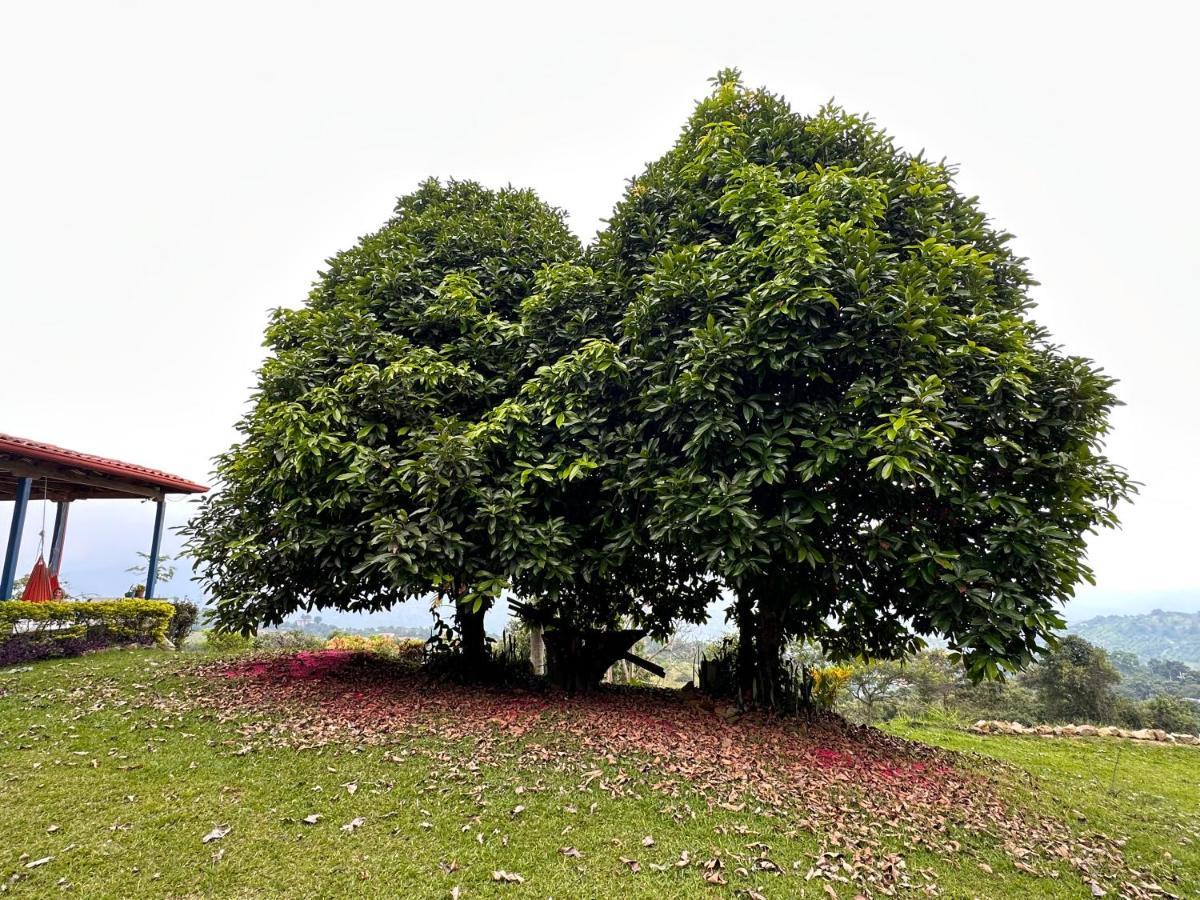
{"x": 330, "y": 774}
{"x": 1154, "y": 635}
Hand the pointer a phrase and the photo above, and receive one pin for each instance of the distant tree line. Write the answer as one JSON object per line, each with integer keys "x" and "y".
{"x": 1076, "y": 683}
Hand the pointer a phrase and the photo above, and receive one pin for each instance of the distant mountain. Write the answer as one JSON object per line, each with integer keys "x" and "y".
{"x": 1090, "y": 602}
{"x": 1153, "y": 635}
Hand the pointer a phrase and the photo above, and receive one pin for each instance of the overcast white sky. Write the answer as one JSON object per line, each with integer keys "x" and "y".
{"x": 170, "y": 172}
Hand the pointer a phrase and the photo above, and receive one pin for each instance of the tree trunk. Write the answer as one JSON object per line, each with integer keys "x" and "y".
{"x": 744, "y": 614}
{"x": 537, "y": 650}
{"x": 770, "y": 651}
{"x": 469, "y": 622}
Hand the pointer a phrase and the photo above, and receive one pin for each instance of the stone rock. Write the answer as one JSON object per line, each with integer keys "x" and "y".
{"x": 987, "y": 726}
{"x": 729, "y": 712}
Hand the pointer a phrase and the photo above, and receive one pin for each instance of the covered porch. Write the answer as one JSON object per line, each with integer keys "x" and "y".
{"x": 33, "y": 470}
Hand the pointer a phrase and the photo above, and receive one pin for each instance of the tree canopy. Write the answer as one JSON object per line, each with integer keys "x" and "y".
{"x": 1075, "y": 682}
{"x": 797, "y": 365}
{"x": 404, "y": 337}
{"x": 841, "y": 401}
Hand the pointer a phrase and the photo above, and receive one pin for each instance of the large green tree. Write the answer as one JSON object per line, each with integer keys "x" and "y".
{"x": 798, "y": 364}
{"x": 405, "y": 336}
{"x": 834, "y": 395}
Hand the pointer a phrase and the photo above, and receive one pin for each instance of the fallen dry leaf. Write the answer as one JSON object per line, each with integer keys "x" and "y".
{"x": 712, "y": 871}
{"x": 216, "y": 834}
{"x": 844, "y": 786}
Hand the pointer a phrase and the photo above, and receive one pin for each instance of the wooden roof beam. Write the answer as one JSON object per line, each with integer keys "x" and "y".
{"x": 24, "y": 469}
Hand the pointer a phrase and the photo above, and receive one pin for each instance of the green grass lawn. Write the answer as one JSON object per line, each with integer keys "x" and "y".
{"x": 114, "y": 781}
{"x": 1147, "y": 794}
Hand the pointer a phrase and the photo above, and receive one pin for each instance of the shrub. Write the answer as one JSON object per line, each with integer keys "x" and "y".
{"x": 1128, "y": 714}
{"x": 828, "y": 683}
{"x": 186, "y": 613}
{"x": 806, "y": 683}
{"x": 1009, "y": 701}
{"x": 940, "y": 717}
{"x": 31, "y": 631}
{"x": 378, "y": 645}
{"x": 288, "y": 641}
{"x": 1172, "y": 714}
{"x": 227, "y": 641}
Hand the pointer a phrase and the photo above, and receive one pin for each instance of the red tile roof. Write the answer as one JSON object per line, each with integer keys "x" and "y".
{"x": 90, "y": 464}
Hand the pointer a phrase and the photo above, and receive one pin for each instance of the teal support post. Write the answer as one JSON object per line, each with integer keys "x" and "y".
{"x": 9, "y": 575}
{"x": 155, "y": 547}
{"x": 61, "y": 508}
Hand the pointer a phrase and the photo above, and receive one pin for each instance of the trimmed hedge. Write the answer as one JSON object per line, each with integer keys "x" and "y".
{"x": 31, "y": 631}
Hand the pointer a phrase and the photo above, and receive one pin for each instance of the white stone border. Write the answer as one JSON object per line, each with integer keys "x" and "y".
{"x": 1153, "y": 735}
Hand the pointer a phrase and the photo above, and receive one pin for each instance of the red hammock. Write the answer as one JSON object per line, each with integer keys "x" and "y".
{"x": 41, "y": 587}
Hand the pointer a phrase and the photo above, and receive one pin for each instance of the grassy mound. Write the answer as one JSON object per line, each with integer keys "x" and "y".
{"x": 325, "y": 774}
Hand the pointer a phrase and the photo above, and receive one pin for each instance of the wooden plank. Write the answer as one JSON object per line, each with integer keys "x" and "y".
{"x": 110, "y": 487}
{"x": 646, "y": 664}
